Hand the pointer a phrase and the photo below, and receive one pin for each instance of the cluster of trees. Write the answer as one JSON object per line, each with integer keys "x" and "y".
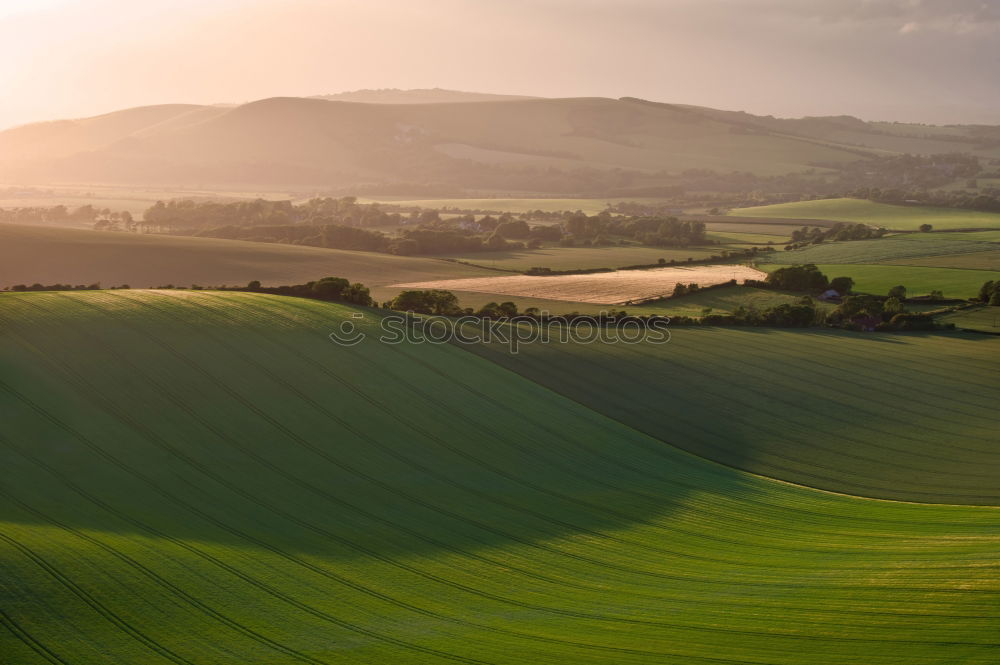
{"x": 189, "y": 214}
{"x": 662, "y": 231}
{"x": 989, "y": 293}
{"x": 806, "y": 277}
{"x": 60, "y": 287}
{"x": 345, "y": 211}
{"x": 434, "y": 301}
{"x": 100, "y": 218}
{"x": 838, "y": 232}
{"x": 690, "y": 289}
{"x": 868, "y": 312}
{"x": 786, "y": 315}
{"x": 425, "y": 232}
{"x": 335, "y": 289}
{"x": 333, "y": 236}
{"x": 445, "y": 303}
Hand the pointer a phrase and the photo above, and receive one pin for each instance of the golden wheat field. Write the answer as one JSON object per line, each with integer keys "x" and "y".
{"x": 605, "y": 288}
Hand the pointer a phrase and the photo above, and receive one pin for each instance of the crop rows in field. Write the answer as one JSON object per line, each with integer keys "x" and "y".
{"x": 918, "y": 280}
{"x": 986, "y": 260}
{"x": 984, "y": 319}
{"x": 882, "y": 250}
{"x": 205, "y": 478}
{"x": 900, "y": 417}
{"x": 896, "y": 217}
{"x": 601, "y": 288}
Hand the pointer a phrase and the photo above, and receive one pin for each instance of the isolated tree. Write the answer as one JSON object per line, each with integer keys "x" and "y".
{"x": 842, "y": 285}
{"x": 924, "y": 228}
{"x": 898, "y": 292}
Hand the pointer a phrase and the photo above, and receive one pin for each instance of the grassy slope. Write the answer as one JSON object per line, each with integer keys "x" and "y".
{"x": 878, "y": 279}
{"x": 901, "y": 417}
{"x": 194, "y": 478}
{"x": 986, "y": 260}
{"x": 902, "y": 247}
{"x": 48, "y": 255}
{"x": 879, "y": 214}
{"x": 985, "y": 318}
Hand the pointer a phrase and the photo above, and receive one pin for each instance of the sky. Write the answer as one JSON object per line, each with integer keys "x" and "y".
{"x": 935, "y": 61}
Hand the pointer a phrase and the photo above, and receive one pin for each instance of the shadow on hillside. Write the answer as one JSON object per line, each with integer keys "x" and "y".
{"x": 826, "y": 414}
{"x": 210, "y": 433}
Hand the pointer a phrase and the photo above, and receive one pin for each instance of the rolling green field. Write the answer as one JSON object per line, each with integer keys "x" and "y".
{"x": 903, "y": 417}
{"x": 195, "y": 477}
{"x": 986, "y": 319}
{"x": 908, "y": 248}
{"x": 986, "y": 260}
{"x": 877, "y": 214}
{"x": 979, "y": 236}
{"x": 738, "y": 238}
{"x": 30, "y": 254}
{"x": 779, "y": 233}
{"x": 878, "y": 279}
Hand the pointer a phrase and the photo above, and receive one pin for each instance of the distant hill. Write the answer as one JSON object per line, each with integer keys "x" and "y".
{"x": 429, "y": 146}
{"x": 416, "y": 96}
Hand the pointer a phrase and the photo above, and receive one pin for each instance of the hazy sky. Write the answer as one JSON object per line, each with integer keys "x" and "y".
{"x": 922, "y": 60}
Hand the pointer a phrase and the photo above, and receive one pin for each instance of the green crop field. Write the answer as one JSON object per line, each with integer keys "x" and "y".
{"x": 197, "y": 477}
{"x": 876, "y": 214}
{"x": 30, "y": 254}
{"x": 878, "y": 279}
{"x": 908, "y": 248}
{"x": 979, "y": 236}
{"x": 985, "y": 319}
{"x": 904, "y": 417}
{"x": 779, "y": 233}
{"x": 738, "y": 238}
{"x": 986, "y": 260}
